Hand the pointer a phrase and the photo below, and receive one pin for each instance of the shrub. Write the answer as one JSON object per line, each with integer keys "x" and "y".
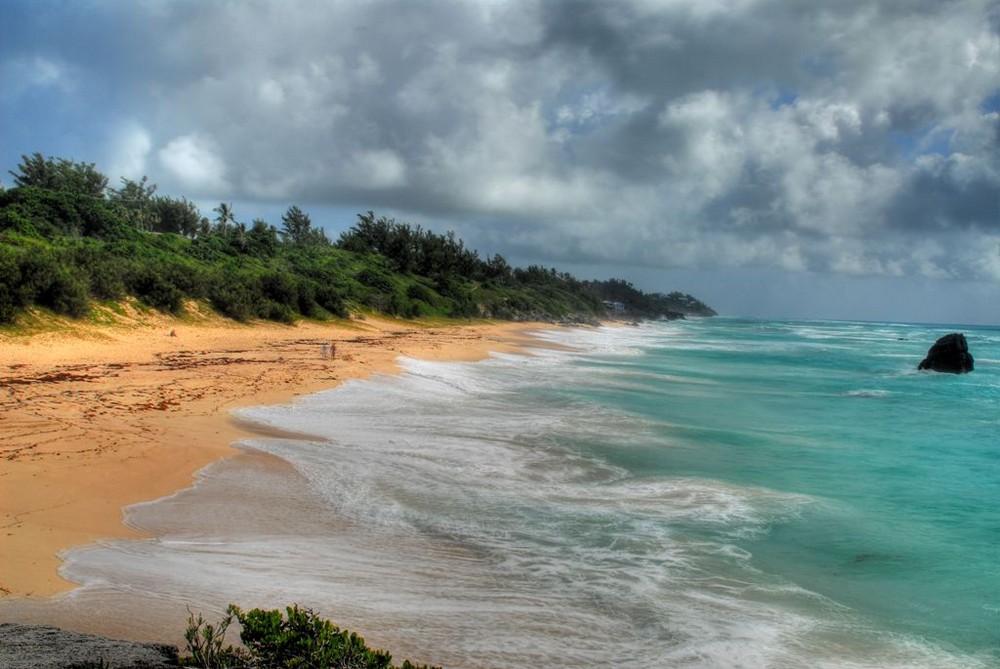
{"x": 230, "y": 293}
{"x": 273, "y": 640}
{"x": 375, "y": 278}
{"x": 51, "y": 213}
{"x": 105, "y": 272}
{"x": 10, "y": 297}
{"x": 206, "y": 643}
{"x": 66, "y": 293}
{"x": 418, "y": 291}
{"x": 305, "y": 298}
{"x": 275, "y": 311}
{"x": 280, "y": 287}
{"x": 401, "y": 305}
{"x": 149, "y": 284}
{"x": 11, "y": 219}
{"x": 464, "y": 306}
{"x": 310, "y": 640}
{"x": 42, "y": 277}
{"x": 331, "y": 300}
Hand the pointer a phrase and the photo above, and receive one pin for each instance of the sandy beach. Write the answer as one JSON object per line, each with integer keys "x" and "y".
{"x": 96, "y": 417}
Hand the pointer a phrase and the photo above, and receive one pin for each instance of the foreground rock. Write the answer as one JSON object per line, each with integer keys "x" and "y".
{"x": 44, "y": 647}
{"x": 949, "y": 354}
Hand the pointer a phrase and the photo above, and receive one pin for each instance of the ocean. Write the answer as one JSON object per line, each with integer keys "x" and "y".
{"x": 705, "y": 493}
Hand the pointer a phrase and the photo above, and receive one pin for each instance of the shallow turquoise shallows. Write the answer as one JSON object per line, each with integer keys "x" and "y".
{"x": 710, "y": 493}
{"x": 901, "y": 469}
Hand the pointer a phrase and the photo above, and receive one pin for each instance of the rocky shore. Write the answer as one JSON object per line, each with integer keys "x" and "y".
{"x": 45, "y": 647}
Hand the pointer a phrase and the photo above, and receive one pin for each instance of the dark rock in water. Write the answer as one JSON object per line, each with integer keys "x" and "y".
{"x": 45, "y": 647}
{"x": 950, "y": 354}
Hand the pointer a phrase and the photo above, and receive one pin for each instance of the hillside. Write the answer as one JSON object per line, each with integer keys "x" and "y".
{"x": 68, "y": 242}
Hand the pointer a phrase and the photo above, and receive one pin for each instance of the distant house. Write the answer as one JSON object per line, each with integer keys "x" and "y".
{"x": 614, "y": 307}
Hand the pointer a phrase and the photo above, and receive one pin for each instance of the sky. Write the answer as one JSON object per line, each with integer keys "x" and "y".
{"x": 775, "y": 158}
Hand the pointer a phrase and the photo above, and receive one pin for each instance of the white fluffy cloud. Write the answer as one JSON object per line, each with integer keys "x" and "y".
{"x": 376, "y": 169}
{"x": 193, "y": 160}
{"x": 129, "y": 151}
{"x": 24, "y": 72}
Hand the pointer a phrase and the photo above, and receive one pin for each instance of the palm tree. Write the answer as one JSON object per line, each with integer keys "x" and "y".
{"x": 225, "y": 215}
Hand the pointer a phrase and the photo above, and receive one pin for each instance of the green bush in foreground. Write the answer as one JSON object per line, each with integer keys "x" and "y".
{"x": 272, "y": 640}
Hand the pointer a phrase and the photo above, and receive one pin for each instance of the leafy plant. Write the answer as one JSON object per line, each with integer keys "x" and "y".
{"x": 297, "y": 638}
{"x": 59, "y": 174}
{"x": 206, "y": 644}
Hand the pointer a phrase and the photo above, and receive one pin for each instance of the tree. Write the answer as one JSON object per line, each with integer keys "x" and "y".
{"x": 134, "y": 192}
{"x": 296, "y": 227}
{"x": 136, "y": 198}
{"x": 179, "y": 216}
{"x": 225, "y": 215}
{"x": 497, "y": 270}
{"x": 262, "y": 239}
{"x": 59, "y": 174}
{"x": 239, "y": 237}
{"x": 36, "y": 210}
{"x": 411, "y": 250}
{"x": 368, "y": 235}
{"x": 317, "y": 237}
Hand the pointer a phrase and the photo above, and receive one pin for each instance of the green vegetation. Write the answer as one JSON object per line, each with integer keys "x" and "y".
{"x": 649, "y": 305}
{"x": 68, "y": 241}
{"x": 272, "y": 640}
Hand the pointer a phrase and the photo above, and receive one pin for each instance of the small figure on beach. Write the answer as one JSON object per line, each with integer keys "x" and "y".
{"x": 172, "y": 333}
{"x": 325, "y": 348}
{"x": 333, "y": 350}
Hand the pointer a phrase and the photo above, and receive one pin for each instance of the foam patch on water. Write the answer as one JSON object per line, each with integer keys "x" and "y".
{"x": 868, "y": 392}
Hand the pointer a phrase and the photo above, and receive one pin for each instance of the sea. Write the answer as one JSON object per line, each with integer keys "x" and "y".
{"x": 708, "y": 493}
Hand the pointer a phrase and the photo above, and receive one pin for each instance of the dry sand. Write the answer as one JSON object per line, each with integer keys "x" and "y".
{"x": 94, "y": 418}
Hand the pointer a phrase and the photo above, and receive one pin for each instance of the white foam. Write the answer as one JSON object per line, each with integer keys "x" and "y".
{"x": 868, "y": 392}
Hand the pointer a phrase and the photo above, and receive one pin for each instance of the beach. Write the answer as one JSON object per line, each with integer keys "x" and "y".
{"x": 98, "y": 417}
{"x": 698, "y": 494}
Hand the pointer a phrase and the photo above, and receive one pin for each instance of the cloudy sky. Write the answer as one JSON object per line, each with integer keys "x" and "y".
{"x": 773, "y": 157}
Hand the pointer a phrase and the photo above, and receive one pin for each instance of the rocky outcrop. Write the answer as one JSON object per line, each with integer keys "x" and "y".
{"x": 45, "y": 647}
{"x": 949, "y": 354}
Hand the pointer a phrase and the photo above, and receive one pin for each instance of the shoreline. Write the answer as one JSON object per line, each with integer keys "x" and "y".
{"x": 102, "y": 417}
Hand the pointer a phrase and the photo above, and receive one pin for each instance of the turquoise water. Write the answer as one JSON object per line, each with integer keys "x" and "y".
{"x": 903, "y": 467}
{"x": 713, "y": 493}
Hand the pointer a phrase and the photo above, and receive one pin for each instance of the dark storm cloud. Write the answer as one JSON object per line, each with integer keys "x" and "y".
{"x": 941, "y": 196}
{"x": 680, "y": 48}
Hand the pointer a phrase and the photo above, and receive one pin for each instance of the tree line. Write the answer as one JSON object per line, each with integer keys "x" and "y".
{"x": 68, "y": 241}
